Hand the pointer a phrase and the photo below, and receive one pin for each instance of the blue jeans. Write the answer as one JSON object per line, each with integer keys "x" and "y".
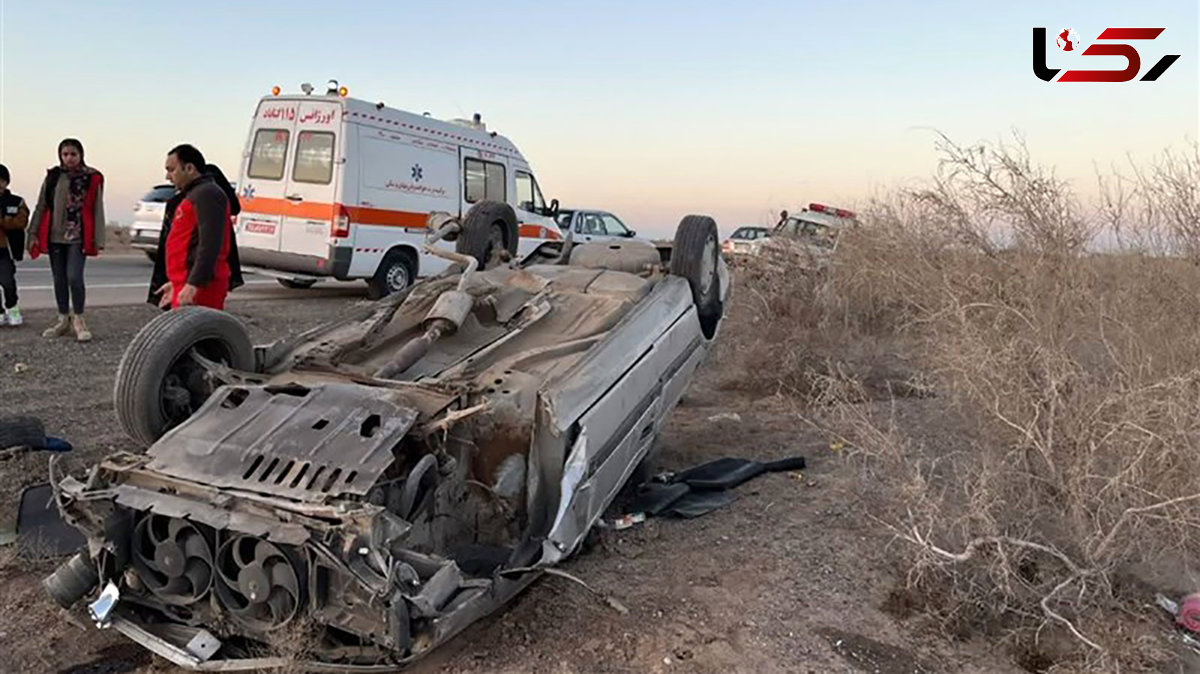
{"x": 66, "y": 263}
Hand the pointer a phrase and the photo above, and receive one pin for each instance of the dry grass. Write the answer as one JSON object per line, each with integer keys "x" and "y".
{"x": 1068, "y": 384}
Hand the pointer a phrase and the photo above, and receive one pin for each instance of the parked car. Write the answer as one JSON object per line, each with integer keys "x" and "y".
{"x": 388, "y": 478}
{"x": 593, "y": 226}
{"x": 147, "y": 219}
{"x": 745, "y": 240}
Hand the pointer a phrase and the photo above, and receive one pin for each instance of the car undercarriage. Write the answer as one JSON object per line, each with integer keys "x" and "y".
{"x": 383, "y": 481}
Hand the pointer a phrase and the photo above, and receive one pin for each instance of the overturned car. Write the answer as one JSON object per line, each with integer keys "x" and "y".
{"x": 386, "y": 479}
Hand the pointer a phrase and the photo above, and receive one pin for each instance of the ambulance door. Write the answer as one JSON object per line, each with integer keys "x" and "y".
{"x": 313, "y": 177}
{"x": 537, "y": 226}
{"x": 263, "y": 180}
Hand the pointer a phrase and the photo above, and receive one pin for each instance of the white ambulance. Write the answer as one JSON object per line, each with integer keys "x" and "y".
{"x": 337, "y": 187}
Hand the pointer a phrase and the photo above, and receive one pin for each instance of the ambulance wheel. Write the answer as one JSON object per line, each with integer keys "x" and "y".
{"x": 159, "y": 384}
{"x": 694, "y": 256}
{"x": 295, "y": 284}
{"x": 397, "y": 272}
{"x": 488, "y": 231}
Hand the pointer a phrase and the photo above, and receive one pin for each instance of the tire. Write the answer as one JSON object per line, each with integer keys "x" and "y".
{"x": 397, "y": 271}
{"x": 22, "y": 432}
{"x": 157, "y": 387}
{"x": 488, "y": 225}
{"x": 151, "y": 255}
{"x": 694, "y": 256}
{"x": 295, "y": 284}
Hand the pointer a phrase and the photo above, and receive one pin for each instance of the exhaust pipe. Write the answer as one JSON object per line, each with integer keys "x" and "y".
{"x": 448, "y": 313}
{"x": 72, "y": 581}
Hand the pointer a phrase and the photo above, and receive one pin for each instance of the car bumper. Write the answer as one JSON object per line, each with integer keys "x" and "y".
{"x": 144, "y": 239}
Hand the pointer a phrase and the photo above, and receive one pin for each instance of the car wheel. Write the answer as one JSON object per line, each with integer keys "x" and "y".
{"x": 159, "y": 384}
{"x": 295, "y": 284}
{"x": 489, "y": 228}
{"x": 397, "y": 272}
{"x": 694, "y": 256}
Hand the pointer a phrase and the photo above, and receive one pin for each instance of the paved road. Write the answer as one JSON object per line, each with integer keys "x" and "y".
{"x": 123, "y": 278}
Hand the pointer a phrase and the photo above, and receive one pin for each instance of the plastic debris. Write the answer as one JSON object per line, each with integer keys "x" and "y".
{"x": 626, "y": 521}
{"x": 726, "y": 416}
{"x": 1167, "y": 605}
{"x": 1188, "y": 616}
{"x": 101, "y": 609}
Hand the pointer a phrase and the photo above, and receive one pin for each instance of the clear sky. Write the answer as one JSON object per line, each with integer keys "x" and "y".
{"x": 650, "y": 109}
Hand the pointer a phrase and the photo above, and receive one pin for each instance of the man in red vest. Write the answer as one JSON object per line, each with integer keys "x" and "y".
{"x": 197, "y": 247}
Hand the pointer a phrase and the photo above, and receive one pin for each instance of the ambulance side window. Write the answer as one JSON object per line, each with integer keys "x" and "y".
{"x": 524, "y": 191}
{"x": 483, "y": 180}
{"x": 529, "y": 197}
{"x": 268, "y": 153}
{"x": 314, "y": 158}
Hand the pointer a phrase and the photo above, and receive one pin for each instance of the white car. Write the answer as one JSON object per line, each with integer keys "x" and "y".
{"x": 745, "y": 240}
{"x": 147, "y": 219}
{"x": 593, "y": 226}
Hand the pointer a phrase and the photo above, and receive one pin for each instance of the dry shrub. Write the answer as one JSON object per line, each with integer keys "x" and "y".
{"x": 788, "y": 333}
{"x": 295, "y": 643}
{"x": 1066, "y": 463}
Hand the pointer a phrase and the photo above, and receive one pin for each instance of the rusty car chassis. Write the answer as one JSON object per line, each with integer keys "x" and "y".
{"x": 380, "y": 482}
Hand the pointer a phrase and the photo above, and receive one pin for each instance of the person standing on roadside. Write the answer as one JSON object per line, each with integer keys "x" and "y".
{"x": 14, "y": 216}
{"x": 197, "y": 247}
{"x": 68, "y": 225}
{"x": 158, "y": 277}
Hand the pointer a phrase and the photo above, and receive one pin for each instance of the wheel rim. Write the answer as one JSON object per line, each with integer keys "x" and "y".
{"x": 495, "y": 243}
{"x": 185, "y": 388}
{"x": 397, "y": 277}
{"x": 708, "y": 266}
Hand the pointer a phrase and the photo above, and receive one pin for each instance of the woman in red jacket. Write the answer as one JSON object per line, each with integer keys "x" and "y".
{"x": 68, "y": 225}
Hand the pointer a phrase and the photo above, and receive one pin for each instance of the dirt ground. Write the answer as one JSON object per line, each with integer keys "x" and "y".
{"x": 791, "y": 577}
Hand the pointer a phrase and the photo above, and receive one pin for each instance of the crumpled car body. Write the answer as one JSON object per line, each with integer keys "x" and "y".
{"x": 381, "y": 482}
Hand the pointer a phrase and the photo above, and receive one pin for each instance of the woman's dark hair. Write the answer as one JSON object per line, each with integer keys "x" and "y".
{"x": 73, "y": 143}
{"x": 235, "y": 206}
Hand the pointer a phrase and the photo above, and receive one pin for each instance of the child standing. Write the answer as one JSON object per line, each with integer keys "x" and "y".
{"x": 14, "y": 216}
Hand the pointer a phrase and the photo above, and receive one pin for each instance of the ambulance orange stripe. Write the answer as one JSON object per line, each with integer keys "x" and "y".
{"x": 364, "y": 216}
{"x": 380, "y": 216}
{"x": 324, "y": 211}
{"x": 289, "y": 209}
